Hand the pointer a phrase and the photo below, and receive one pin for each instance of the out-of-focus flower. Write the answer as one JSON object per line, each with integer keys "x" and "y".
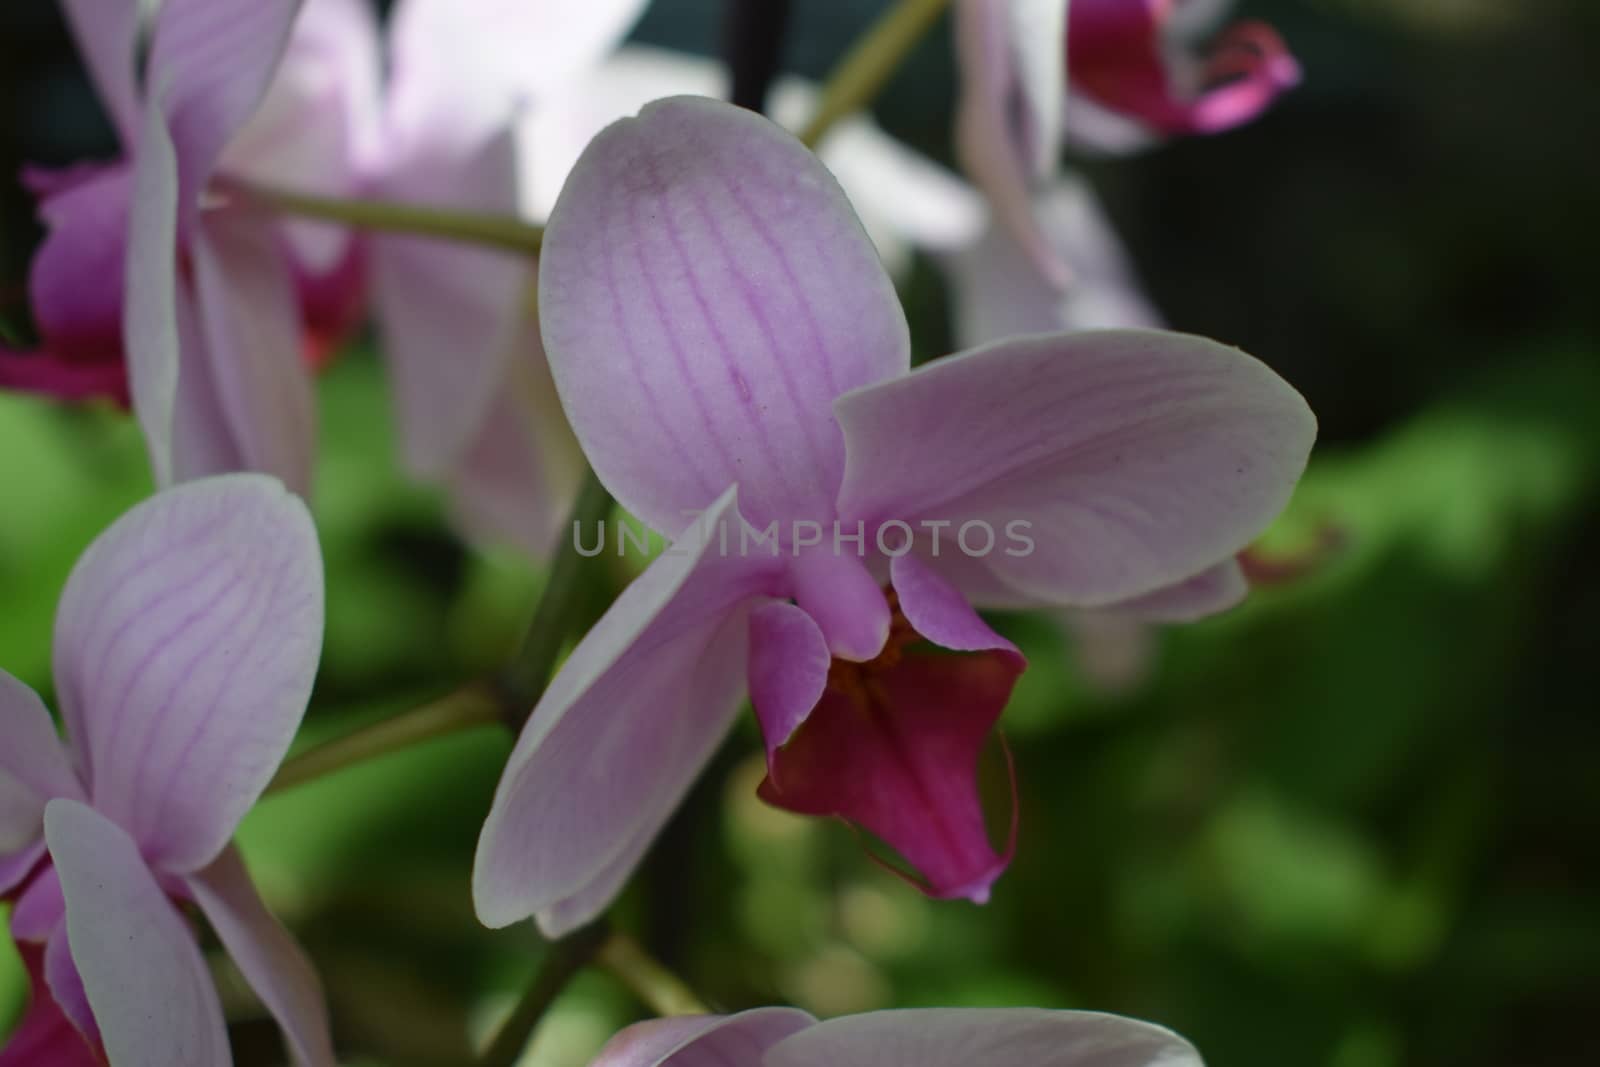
{"x": 185, "y": 646}
{"x": 1109, "y": 74}
{"x": 143, "y": 290}
{"x": 1136, "y": 73}
{"x": 726, "y": 343}
{"x": 457, "y": 322}
{"x": 927, "y": 1037}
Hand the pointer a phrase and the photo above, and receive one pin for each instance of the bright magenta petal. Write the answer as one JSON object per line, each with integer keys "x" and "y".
{"x": 619, "y": 736}
{"x": 703, "y": 1040}
{"x": 33, "y": 765}
{"x": 276, "y": 968}
{"x": 151, "y": 993}
{"x": 87, "y": 239}
{"x": 706, "y": 292}
{"x": 895, "y": 750}
{"x": 45, "y": 1037}
{"x": 185, "y": 647}
{"x": 1132, "y": 459}
{"x": 965, "y": 1037}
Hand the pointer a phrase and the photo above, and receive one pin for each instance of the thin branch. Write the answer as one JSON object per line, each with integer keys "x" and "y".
{"x": 466, "y": 708}
{"x": 863, "y": 71}
{"x": 496, "y": 231}
{"x": 661, "y": 991}
{"x": 565, "y": 959}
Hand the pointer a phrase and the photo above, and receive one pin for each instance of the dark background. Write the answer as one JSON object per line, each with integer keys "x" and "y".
{"x": 1354, "y": 824}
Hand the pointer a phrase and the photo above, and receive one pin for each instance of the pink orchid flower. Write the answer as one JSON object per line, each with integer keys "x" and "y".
{"x": 1110, "y": 74}
{"x": 185, "y": 646}
{"x": 142, "y": 290}
{"x": 927, "y": 1037}
{"x": 726, "y": 344}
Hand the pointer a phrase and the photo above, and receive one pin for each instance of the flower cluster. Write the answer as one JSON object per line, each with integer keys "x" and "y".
{"x": 710, "y": 325}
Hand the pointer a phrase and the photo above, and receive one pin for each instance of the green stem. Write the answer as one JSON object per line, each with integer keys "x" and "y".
{"x": 878, "y": 53}
{"x": 498, "y": 231}
{"x": 564, "y": 960}
{"x": 524, "y": 680}
{"x": 661, "y": 991}
{"x": 470, "y": 706}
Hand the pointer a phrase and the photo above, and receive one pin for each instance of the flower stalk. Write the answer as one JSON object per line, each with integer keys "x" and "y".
{"x": 495, "y": 231}
{"x": 868, "y": 65}
{"x": 561, "y": 964}
{"x": 646, "y": 978}
{"x": 466, "y": 708}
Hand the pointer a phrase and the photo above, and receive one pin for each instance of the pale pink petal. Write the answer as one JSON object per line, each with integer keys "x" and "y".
{"x": 995, "y": 146}
{"x": 107, "y": 34}
{"x": 203, "y": 441}
{"x": 459, "y": 71}
{"x": 149, "y": 310}
{"x": 621, "y": 733}
{"x": 705, "y": 284}
{"x": 317, "y": 128}
{"x": 66, "y": 981}
{"x": 250, "y": 326}
{"x": 1132, "y": 459}
{"x": 703, "y": 1040}
{"x": 151, "y": 992}
{"x": 936, "y": 609}
{"x": 185, "y": 646}
{"x": 1215, "y": 589}
{"x": 963, "y": 1037}
{"x": 276, "y": 968}
{"x": 209, "y": 66}
{"x": 16, "y": 867}
{"x": 789, "y": 663}
{"x": 449, "y": 314}
{"x": 518, "y": 478}
{"x": 33, "y": 765}
{"x": 998, "y": 293}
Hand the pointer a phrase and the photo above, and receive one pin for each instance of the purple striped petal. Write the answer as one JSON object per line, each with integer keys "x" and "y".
{"x": 185, "y": 647}
{"x": 210, "y": 64}
{"x": 621, "y": 733}
{"x": 107, "y": 35}
{"x": 705, "y": 293}
{"x": 1136, "y": 458}
{"x": 702, "y": 1040}
{"x": 276, "y": 968}
{"x": 151, "y": 993}
{"x": 963, "y": 1037}
{"x": 250, "y": 332}
{"x": 33, "y": 766}
{"x": 450, "y": 314}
